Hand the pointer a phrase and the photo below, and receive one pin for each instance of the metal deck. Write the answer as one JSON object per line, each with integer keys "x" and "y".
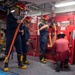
{"x": 35, "y": 68}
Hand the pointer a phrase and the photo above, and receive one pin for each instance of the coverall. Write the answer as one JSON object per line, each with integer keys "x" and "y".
{"x": 43, "y": 40}
{"x": 25, "y": 38}
{"x": 11, "y": 28}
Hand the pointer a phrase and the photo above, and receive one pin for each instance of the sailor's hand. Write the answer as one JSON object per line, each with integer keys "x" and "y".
{"x": 27, "y": 43}
{"x": 22, "y": 31}
{"x": 19, "y": 21}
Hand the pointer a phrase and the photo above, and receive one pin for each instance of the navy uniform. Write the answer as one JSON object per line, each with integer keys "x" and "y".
{"x": 43, "y": 38}
{"x": 25, "y": 38}
{"x": 11, "y": 28}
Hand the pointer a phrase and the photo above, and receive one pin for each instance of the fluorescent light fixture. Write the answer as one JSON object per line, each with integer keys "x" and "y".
{"x": 65, "y": 4}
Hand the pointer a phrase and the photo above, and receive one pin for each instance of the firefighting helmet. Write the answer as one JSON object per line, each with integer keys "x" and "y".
{"x": 28, "y": 19}
{"x": 20, "y": 5}
{"x": 45, "y": 17}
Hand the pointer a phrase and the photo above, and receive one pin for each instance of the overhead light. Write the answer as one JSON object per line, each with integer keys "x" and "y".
{"x": 65, "y": 4}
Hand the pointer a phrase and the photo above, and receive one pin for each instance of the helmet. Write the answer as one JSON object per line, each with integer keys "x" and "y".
{"x": 45, "y": 17}
{"x": 21, "y": 6}
{"x": 28, "y": 19}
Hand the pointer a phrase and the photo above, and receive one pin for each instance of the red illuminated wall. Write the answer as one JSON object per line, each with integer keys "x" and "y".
{"x": 34, "y": 45}
{"x": 34, "y": 49}
{"x": 69, "y": 34}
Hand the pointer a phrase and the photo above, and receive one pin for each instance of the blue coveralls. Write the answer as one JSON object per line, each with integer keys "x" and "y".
{"x": 11, "y": 28}
{"x": 43, "y": 38}
{"x": 25, "y": 38}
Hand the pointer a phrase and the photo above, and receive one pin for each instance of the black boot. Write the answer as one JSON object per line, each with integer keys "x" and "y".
{"x": 20, "y": 62}
{"x": 66, "y": 66}
{"x": 6, "y": 68}
{"x": 61, "y": 66}
{"x": 25, "y": 61}
{"x": 42, "y": 60}
{"x": 58, "y": 66}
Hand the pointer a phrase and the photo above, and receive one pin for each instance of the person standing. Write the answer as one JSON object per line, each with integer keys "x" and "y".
{"x": 25, "y": 35}
{"x": 43, "y": 29}
{"x": 12, "y": 24}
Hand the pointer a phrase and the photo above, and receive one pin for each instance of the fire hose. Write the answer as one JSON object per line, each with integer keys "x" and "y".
{"x": 13, "y": 40}
{"x": 50, "y": 36}
{"x": 21, "y": 6}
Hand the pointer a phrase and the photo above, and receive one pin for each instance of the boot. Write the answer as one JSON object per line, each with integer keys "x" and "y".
{"x": 58, "y": 66}
{"x": 62, "y": 66}
{"x": 20, "y": 62}
{"x": 66, "y": 66}
{"x": 25, "y": 61}
{"x": 42, "y": 60}
{"x": 6, "y": 68}
{"x": 45, "y": 59}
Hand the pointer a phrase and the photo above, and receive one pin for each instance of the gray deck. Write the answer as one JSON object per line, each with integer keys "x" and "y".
{"x": 36, "y": 68}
